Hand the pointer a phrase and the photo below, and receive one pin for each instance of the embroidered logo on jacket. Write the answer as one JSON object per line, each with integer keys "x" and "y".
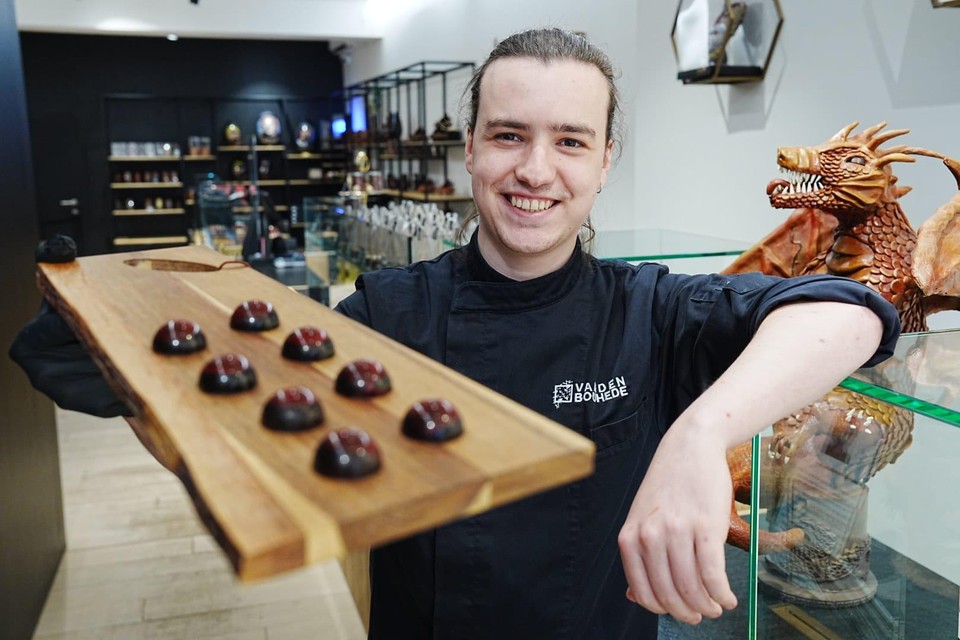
{"x": 568, "y": 392}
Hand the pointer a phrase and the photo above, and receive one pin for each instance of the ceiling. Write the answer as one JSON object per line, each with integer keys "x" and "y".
{"x": 334, "y": 20}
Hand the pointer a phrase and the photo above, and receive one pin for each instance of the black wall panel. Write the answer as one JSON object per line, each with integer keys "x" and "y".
{"x": 69, "y": 76}
{"x": 31, "y": 511}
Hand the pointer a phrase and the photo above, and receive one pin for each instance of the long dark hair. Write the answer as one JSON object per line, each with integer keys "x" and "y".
{"x": 546, "y": 45}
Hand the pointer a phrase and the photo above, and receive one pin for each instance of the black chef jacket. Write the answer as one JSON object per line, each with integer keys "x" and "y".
{"x": 614, "y": 352}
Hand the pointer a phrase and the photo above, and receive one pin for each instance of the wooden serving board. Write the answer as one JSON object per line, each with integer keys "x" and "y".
{"x": 255, "y": 489}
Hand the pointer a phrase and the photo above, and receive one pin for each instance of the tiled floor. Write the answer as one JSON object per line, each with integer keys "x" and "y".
{"x": 140, "y": 566}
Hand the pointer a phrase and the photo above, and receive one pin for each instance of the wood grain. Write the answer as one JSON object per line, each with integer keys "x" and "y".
{"x": 256, "y": 489}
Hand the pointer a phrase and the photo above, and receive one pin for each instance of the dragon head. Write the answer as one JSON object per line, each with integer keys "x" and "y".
{"x": 845, "y": 173}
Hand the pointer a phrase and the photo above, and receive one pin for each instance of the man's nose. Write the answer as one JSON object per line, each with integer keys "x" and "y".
{"x": 536, "y": 168}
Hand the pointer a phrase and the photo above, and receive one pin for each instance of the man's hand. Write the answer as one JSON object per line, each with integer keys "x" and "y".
{"x": 672, "y": 542}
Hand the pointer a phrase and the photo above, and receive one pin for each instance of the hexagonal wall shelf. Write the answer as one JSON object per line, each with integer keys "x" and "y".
{"x": 725, "y": 41}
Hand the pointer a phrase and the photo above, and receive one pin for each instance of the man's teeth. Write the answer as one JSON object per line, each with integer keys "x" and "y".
{"x": 531, "y": 204}
{"x": 799, "y": 183}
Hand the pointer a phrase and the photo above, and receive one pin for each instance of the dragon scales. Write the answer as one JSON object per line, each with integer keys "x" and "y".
{"x": 847, "y": 222}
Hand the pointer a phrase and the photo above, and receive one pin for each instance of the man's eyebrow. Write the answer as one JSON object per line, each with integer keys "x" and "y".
{"x": 575, "y": 128}
{"x": 505, "y": 123}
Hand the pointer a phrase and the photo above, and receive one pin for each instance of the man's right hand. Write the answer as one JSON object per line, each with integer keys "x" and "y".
{"x": 59, "y": 366}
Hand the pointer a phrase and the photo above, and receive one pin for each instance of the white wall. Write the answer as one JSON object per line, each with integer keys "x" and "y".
{"x": 466, "y": 30}
{"x": 698, "y": 158}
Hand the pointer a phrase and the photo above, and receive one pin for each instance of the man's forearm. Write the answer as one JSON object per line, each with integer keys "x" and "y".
{"x": 799, "y": 353}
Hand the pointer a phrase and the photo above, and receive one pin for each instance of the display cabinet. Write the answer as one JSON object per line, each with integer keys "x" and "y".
{"x": 152, "y": 190}
{"x": 401, "y": 121}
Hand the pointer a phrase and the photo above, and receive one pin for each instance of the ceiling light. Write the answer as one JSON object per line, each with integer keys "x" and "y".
{"x": 172, "y": 37}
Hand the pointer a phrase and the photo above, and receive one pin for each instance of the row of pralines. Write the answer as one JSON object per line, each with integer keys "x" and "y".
{"x": 344, "y": 453}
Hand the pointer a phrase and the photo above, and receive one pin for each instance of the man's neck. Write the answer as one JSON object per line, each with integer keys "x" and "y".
{"x": 518, "y": 266}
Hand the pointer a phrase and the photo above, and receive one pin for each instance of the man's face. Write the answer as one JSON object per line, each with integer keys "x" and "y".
{"x": 537, "y": 158}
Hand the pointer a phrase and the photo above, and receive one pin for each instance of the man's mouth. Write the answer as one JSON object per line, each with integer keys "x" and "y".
{"x": 532, "y": 205}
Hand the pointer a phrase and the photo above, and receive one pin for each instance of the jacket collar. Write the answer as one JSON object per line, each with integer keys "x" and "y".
{"x": 481, "y": 287}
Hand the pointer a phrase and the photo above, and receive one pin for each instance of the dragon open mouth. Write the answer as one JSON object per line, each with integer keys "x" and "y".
{"x": 796, "y": 183}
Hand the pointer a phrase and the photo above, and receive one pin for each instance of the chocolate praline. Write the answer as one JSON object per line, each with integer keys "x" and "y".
{"x": 347, "y": 453}
{"x": 292, "y": 409}
{"x": 229, "y": 373}
{"x": 363, "y": 379}
{"x": 432, "y": 420}
{"x": 254, "y": 315}
{"x": 308, "y": 344}
{"x": 179, "y": 337}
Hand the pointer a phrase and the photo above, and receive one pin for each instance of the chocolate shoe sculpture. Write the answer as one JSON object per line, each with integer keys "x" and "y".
{"x": 445, "y": 131}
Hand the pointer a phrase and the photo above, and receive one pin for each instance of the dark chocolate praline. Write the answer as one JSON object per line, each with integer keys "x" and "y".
{"x": 308, "y": 344}
{"x": 292, "y": 409}
{"x": 229, "y": 373}
{"x": 363, "y": 379}
{"x": 254, "y": 315}
{"x": 57, "y": 249}
{"x": 432, "y": 420}
{"x": 347, "y": 453}
{"x": 179, "y": 337}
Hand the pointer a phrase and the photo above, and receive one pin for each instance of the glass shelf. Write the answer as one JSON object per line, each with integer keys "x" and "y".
{"x": 930, "y": 384}
{"x": 662, "y": 244}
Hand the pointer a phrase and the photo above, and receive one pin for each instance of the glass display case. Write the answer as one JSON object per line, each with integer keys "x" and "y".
{"x": 881, "y": 523}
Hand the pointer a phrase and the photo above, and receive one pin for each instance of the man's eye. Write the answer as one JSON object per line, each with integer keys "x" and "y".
{"x": 570, "y": 142}
{"x": 507, "y": 136}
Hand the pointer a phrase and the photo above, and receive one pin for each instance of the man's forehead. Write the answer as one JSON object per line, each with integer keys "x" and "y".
{"x": 511, "y": 87}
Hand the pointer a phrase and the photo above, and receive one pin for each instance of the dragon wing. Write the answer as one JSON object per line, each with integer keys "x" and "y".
{"x": 790, "y": 247}
{"x": 936, "y": 258}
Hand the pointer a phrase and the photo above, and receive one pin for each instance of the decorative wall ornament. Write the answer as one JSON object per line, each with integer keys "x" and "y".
{"x": 725, "y": 41}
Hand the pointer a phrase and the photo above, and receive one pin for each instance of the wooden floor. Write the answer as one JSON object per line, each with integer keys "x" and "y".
{"x": 140, "y": 566}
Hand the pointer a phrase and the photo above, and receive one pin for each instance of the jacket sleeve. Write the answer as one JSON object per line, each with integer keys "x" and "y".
{"x": 59, "y": 366}
{"x": 710, "y": 320}
{"x": 355, "y": 306}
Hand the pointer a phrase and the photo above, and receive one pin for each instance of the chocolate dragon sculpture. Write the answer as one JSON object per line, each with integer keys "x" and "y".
{"x": 847, "y": 221}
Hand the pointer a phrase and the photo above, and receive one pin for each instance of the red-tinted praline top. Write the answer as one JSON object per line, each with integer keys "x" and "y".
{"x": 308, "y": 344}
{"x": 347, "y": 453}
{"x": 229, "y": 373}
{"x": 179, "y": 337}
{"x": 292, "y": 409}
{"x": 432, "y": 420}
{"x": 363, "y": 379}
{"x": 254, "y": 315}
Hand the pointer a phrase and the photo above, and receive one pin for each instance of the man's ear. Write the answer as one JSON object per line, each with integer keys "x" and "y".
{"x": 607, "y": 160}
{"x": 468, "y": 151}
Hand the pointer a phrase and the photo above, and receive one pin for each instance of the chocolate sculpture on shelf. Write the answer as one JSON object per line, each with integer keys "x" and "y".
{"x": 848, "y": 222}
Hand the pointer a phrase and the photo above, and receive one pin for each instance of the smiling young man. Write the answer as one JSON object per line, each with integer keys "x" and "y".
{"x": 663, "y": 372}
